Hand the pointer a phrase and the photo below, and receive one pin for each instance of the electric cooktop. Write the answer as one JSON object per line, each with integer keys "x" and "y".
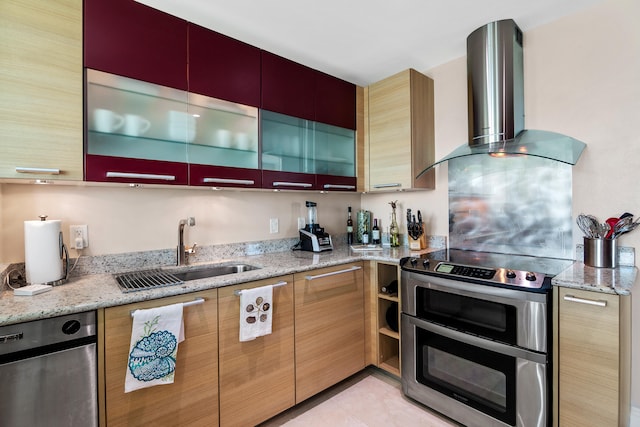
{"x": 519, "y": 271}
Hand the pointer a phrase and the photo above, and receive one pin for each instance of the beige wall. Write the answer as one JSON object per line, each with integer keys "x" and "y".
{"x": 128, "y": 220}
{"x": 581, "y": 79}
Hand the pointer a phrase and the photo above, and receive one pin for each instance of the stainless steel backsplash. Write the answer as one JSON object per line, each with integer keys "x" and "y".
{"x": 519, "y": 205}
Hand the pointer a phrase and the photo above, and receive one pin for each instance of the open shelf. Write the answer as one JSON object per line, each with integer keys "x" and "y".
{"x": 388, "y": 313}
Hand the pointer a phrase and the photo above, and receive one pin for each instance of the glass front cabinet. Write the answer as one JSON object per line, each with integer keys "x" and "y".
{"x": 303, "y": 154}
{"x": 139, "y": 132}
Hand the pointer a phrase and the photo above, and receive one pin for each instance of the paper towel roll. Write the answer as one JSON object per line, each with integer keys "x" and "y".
{"x": 42, "y": 251}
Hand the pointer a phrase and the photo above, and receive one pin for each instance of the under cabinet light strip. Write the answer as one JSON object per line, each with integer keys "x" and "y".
{"x": 140, "y": 176}
{"x": 277, "y": 285}
{"x": 38, "y": 170}
{"x": 196, "y": 301}
{"x": 333, "y": 273}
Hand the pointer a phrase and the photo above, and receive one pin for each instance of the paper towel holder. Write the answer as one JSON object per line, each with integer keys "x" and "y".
{"x": 63, "y": 254}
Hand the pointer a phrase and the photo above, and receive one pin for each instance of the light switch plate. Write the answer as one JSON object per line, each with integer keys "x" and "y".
{"x": 273, "y": 225}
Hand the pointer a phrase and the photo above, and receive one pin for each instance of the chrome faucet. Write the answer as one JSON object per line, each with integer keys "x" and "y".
{"x": 182, "y": 250}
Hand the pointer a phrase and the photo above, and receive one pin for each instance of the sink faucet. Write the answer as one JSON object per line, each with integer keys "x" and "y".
{"x": 182, "y": 250}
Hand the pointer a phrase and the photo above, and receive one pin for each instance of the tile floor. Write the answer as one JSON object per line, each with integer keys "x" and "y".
{"x": 370, "y": 398}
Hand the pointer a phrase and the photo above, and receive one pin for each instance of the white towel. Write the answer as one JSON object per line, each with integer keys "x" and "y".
{"x": 153, "y": 350}
{"x": 256, "y": 312}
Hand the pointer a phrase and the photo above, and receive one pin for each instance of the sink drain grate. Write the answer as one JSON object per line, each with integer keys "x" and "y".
{"x": 147, "y": 279}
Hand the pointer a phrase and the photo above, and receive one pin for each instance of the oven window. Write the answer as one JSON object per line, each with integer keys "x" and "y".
{"x": 485, "y": 318}
{"x": 479, "y": 378}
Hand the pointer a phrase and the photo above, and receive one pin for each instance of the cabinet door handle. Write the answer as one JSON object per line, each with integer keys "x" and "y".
{"x": 599, "y": 303}
{"x": 333, "y": 273}
{"x": 392, "y": 184}
{"x": 238, "y": 292}
{"x": 140, "y": 176}
{"x": 38, "y": 170}
{"x": 196, "y": 301}
{"x": 292, "y": 184}
{"x": 339, "y": 186}
{"x": 229, "y": 181}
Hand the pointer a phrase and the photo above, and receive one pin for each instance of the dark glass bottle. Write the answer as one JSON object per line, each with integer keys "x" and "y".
{"x": 349, "y": 228}
{"x": 375, "y": 233}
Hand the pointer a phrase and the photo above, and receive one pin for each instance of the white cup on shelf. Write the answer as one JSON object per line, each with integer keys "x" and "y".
{"x": 223, "y": 138}
{"x": 135, "y": 125}
{"x": 106, "y": 121}
{"x": 242, "y": 141}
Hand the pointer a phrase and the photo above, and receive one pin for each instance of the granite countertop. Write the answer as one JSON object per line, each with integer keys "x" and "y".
{"x": 94, "y": 291}
{"x": 606, "y": 280}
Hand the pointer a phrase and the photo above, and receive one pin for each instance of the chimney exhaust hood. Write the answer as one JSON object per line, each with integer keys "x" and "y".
{"x": 496, "y": 101}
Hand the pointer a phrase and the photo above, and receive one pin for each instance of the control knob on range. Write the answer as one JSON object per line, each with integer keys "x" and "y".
{"x": 511, "y": 274}
{"x": 414, "y": 262}
{"x": 425, "y": 263}
{"x": 530, "y": 276}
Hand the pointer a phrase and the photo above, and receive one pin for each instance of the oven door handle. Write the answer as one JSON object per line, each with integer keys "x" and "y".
{"x": 476, "y": 341}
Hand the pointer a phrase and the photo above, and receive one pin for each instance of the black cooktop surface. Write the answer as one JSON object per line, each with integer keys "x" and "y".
{"x": 496, "y": 268}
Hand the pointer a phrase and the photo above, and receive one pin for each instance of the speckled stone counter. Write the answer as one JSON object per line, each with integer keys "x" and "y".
{"x": 607, "y": 280}
{"x": 93, "y": 291}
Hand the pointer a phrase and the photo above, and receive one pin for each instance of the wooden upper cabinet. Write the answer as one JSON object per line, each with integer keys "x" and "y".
{"x": 335, "y": 101}
{"x": 130, "y": 39}
{"x": 222, "y": 67}
{"x": 287, "y": 87}
{"x": 401, "y": 132}
{"x": 41, "y": 89}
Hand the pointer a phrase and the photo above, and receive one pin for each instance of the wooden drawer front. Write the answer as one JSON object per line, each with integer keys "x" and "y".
{"x": 329, "y": 328}
{"x": 257, "y": 377}
{"x": 588, "y": 359}
{"x": 193, "y": 398}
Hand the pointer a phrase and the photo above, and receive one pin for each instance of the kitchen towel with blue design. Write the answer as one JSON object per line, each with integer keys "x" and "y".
{"x": 153, "y": 351}
{"x": 256, "y": 308}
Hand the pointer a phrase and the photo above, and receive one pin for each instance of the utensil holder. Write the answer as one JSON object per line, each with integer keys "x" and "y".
{"x": 601, "y": 253}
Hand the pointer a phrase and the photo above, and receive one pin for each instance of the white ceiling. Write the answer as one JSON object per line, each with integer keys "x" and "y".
{"x": 363, "y": 41}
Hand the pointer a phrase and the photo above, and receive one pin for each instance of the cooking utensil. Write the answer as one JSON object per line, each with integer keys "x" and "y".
{"x": 623, "y": 226}
{"x": 612, "y": 223}
{"x": 589, "y": 225}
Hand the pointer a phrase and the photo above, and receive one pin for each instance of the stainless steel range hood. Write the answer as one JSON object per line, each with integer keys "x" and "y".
{"x": 496, "y": 101}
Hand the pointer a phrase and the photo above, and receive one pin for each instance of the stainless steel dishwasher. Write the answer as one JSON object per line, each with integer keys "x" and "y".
{"x": 48, "y": 372}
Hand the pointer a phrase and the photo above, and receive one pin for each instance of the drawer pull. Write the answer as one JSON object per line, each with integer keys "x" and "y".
{"x": 333, "y": 273}
{"x": 393, "y": 184}
{"x": 229, "y": 181}
{"x": 599, "y": 303}
{"x": 38, "y": 170}
{"x": 196, "y": 301}
{"x": 339, "y": 186}
{"x": 292, "y": 184}
{"x": 140, "y": 176}
{"x": 239, "y": 292}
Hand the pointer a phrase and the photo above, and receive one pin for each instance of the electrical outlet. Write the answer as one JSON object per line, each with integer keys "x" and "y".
{"x": 78, "y": 236}
{"x": 273, "y": 225}
{"x": 301, "y": 223}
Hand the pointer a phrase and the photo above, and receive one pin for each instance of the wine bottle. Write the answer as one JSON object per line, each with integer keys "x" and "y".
{"x": 391, "y": 288}
{"x": 375, "y": 233}
{"x": 365, "y": 237}
{"x": 349, "y": 228}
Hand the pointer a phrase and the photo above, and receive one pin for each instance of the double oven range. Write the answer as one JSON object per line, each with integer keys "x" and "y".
{"x": 476, "y": 335}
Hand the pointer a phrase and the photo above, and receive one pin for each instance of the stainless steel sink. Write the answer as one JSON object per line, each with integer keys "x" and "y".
{"x": 151, "y": 279}
{"x": 217, "y": 270}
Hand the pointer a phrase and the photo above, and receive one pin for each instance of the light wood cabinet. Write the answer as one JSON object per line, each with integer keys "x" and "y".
{"x": 193, "y": 397}
{"x": 400, "y": 135}
{"x": 257, "y": 378}
{"x": 330, "y": 327}
{"x": 593, "y": 358}
{"x": 41, "y": 89}
{"x": 388, "y": 317}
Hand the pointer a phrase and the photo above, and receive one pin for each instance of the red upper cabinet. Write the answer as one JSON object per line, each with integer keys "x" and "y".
{"x": 335, "y": 101}
{"x": 288, "y": 87}
{"x": 222, "y": 67}
{"x": 130, "y": 39}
